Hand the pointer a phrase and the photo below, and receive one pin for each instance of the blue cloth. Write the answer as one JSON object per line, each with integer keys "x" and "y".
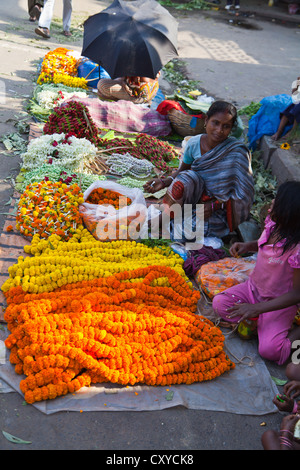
{"x": 91, "y": 70}
{"x": 267, "y": 119}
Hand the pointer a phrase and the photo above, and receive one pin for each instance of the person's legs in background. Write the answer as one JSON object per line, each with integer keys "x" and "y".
{"x": 67, "y": 14}
{"x": 45, "y": 19}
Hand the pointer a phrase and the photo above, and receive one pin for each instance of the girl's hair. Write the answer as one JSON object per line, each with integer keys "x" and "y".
{"x": 222, "y": 107}
{"x": 285, "y": 213}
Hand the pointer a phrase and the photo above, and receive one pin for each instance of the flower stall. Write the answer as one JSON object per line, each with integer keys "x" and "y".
{"x": 83, "y": 311}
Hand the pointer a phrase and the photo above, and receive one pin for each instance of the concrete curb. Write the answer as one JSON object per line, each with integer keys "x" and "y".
{"x": 283, "y": 164}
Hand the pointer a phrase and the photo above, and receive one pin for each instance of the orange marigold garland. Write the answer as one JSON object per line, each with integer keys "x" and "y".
{"x": 112, "y": 330}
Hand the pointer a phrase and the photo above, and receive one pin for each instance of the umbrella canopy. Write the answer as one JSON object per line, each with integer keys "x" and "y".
{"x": 131, "y": 38}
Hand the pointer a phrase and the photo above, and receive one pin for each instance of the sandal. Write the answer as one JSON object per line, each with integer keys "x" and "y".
{"x": 67, "y": 33}
{"x": 44, "y": 32}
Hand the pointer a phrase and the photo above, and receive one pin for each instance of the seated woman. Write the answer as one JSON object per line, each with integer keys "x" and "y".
{"x": 215, "y": 171}
{"x": 135, "y": 89}
{"x": 291, "y": 115}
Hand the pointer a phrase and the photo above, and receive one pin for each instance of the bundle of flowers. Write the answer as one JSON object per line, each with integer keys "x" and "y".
{"x": 55, "y": 262}
{"x": 113, "y": 330}
{"x": 61, "y": 149}
{"x": 46, "y": 207}
{"x": 144, "y": 146}
{"x": 107, "y": 196}
{"x": 55, "y": 173}
{"x": 72, "y": 117}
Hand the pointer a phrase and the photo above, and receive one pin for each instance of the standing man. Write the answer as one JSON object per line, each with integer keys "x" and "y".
{"x": 45, "y": 19}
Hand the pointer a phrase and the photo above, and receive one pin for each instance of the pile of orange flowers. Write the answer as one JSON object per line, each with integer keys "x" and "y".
{"x": 216, "y": 276}
{"x": 48, "y": 207}
{"x": 58, "y": 61}
{"x": 122, "y": 329}
{"x": 107, "y": 196}
{"x": 60, "y": 67}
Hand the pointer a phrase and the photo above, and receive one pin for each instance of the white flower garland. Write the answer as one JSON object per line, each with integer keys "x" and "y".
{"x": 51, "y": 149}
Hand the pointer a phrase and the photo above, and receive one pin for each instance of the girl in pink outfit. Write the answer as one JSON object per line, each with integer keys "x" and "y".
{"x": 272, "y": 292}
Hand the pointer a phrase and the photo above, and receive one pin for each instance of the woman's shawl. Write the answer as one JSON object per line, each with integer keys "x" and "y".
{"x": 225, "y": 173}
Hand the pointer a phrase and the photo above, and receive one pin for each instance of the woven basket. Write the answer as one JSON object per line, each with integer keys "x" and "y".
{"x": 180, "y": 122}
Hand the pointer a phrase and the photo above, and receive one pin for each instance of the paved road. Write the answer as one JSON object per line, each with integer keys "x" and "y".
{"x": 231, "y": 62}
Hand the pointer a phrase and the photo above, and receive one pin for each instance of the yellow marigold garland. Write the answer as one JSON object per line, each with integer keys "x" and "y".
{"x": 112, "y": 330}
{"x": 56, "y": 262}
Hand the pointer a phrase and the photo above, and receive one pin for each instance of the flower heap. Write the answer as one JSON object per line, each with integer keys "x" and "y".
{"x": 72, "y": 117}
{"x": 55, "y": 262}
{"x": 58, "y": 149}
{"x": 46, "y": 207}
{"x": 147, "y": 147}
{"x": 112, "y": 330}
{"x": 60, "y": 67}
{"x": 106, "y": 196}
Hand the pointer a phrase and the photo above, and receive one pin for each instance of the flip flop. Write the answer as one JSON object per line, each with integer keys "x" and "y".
{"x": 44, "y": 32}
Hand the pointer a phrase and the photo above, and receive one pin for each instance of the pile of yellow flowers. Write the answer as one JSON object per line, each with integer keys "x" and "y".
{"x": 112, "y": 330}
{"x": 56, "y": 262}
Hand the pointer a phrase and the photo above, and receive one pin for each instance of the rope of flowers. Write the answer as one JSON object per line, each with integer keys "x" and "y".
{"x": 73, "y": 117}
{"x": 46, "y": 207}
{"x": 62, "y": 149}
{"x": 64, "y": 79}
{"x": 55, "y": 262}
{"x": 112, "y": 330}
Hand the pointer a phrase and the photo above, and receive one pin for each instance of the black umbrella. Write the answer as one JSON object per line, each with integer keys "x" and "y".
{"x": 131, "y": 38}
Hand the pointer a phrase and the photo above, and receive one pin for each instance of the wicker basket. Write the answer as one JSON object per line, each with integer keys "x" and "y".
{"x": 180, "y": 122}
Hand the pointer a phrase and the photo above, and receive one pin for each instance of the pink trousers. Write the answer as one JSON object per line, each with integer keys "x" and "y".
{"x": 272, "y": 327}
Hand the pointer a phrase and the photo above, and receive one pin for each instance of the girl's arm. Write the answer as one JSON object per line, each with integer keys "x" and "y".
{"x": 283, "y": 301}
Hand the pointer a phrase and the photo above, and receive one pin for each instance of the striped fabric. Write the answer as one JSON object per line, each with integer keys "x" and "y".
{"x": 124, "y": 116}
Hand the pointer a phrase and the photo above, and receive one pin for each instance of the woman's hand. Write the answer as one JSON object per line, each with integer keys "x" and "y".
{"x": 284, "y": 403}
{"x": 293, "y": 386}
{"x": 244, "y": 311}
{"x": 154, "y": 185}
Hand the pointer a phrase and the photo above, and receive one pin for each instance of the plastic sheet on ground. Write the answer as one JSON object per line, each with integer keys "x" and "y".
{"x": 247, "y": 389}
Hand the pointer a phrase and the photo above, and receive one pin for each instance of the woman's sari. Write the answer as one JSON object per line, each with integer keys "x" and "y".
{"x": 223, "y": 174}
